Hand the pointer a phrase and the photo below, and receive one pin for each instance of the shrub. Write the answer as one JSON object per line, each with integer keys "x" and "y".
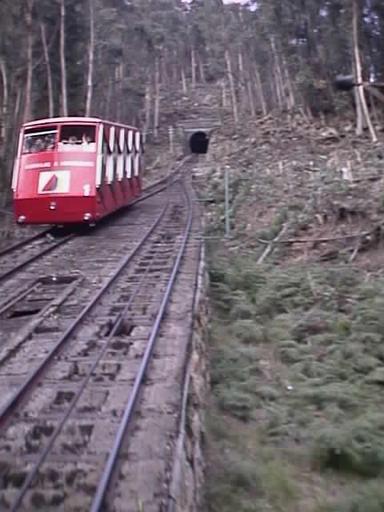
{"x": 355, "y": 447}
{"x": 248, "y": 331}
{"x": 242, "y": 311}
{"x": 278, "y": 485}
{"x": 238, "y": 404}
{"x": 345, "y": 396}
{"x": 312, "y": 323}
{"x": 369, "y": 498}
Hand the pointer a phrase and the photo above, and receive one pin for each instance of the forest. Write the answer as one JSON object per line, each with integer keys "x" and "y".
{"x": 115, "y": 58}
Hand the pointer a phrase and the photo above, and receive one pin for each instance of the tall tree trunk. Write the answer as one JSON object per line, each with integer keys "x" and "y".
{"x": 251, "y": 98}
{"x": 232, "y": 87}
{"x": 279, "y": 84}
{"x": 201, "y": 70}
{"x": 260, "y": 92}
{"x": 288, "y": 83}
{"x": 360, "y": 96}
{"x": 18, "y": 107}
{"x": 4, "y": 122}
{"x": 163, "y": 68}
{"x": 359, "y": 113}
{"x": 119, "y": 109}
{"x": 193, "y": 67}
{"x": 48, "y": 68}
{"x": 28, "y": 85}
{"x": 4, "y": 105}
{"x": 184, "y": 81}
{"x": 63, "y": 66}
{"x": 148, "y": 102}
{"x": 108, "y": 101}
{"x": 224, "y": 102}
{"x": 91, "y": 58}
{"x": 242, "y": 80}
{"x": 156, "y": 115}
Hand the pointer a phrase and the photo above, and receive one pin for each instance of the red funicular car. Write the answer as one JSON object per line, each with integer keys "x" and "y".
{"x": 75, "y": 169}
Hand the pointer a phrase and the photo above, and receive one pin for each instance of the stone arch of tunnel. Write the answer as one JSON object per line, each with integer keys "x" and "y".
{"x": 199, "y": 142}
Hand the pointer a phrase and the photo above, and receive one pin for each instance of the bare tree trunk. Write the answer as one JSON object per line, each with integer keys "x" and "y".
{"x": 4, "y": 122}
{"x": 359, "y": 113}
{"x": 5, "y": 100}
{"x": 91, "y": 58}
{"x": 251, "y": 98}
{"x": 156, "y": 116}
{"x": 163, "y": 67}
{"x": 118, "y": 82}
{"x": 148, "y": 102}
{"x": 260, "y": 92}
{"x": 242, "y": 80}
{"x": 224, "y": 101}
{"x": 184, "y": 81}
{"x": 278, "y": 76}
{"x": 18, "y": 106}
{"x": 201, "y": 70}
{"x": 49, "y": 70}
{"x": 232, "y": 87}
{"x": 288, "y": 83}
{"x": 193, "y": 67}
{"x": 28, "y": 85}
{"x": 375, "y": 113}
{"x": 64, "y": 91}
{"x": 108, "y": 99}
{"x": 360, "y": 96}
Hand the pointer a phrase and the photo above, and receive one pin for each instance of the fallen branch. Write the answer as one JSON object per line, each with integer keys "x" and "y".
{"x": 268, "y": 249}
{"x": 355, "y": 251}
{"x": 317, "y": 240}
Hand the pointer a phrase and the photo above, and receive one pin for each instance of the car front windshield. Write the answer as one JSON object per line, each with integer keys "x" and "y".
{"x": 77, "y": 138}
{"x": 39, "y": 141}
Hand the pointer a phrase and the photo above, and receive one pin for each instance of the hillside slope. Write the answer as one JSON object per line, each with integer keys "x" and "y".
{"x": 296, "y": 419}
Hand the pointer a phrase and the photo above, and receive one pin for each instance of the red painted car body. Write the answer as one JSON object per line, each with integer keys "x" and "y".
{"x": 75, "y": 169}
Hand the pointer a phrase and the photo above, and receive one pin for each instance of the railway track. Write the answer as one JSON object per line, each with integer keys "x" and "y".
{"x": 72, "y": 367}
{"x": 35, "y": 249}
{"x": 24, "y": 242}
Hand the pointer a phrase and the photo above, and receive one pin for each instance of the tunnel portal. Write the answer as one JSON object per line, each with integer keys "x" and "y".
{"x": 199, "y": 142}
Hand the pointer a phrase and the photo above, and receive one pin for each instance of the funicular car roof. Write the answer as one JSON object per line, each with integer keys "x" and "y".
{"x": 74, "y": 120}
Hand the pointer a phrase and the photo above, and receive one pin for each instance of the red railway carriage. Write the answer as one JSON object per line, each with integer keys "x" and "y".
{"x": 75, "y": 169}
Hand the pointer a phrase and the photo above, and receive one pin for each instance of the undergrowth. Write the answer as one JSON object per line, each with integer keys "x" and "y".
{"x": 297, "y": 355}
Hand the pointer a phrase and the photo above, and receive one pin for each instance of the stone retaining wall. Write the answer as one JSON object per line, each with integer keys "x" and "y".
{"x": 186, "y": 487}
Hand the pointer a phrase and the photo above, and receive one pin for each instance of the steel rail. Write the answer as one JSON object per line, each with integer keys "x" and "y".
{"x": 18, "y": 296}
{"x": 167, "y": 181}
{"x": 26, "y": 241}
{"x": 59, "y": 427}
{"x": 35, "y": 257}
{"x": 102, "y": 488}
{"x": 14, "y": 401}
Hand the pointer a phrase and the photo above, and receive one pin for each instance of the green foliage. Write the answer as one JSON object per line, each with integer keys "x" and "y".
{"x": 278, "y": 484}
{"x": 355, "y": 447}
{"x": 368, "y": 498}
{"x": 300, "y": 362}
{"x": 247, "y": 331}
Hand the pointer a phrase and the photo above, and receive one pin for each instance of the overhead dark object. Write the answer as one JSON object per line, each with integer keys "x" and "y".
{"x": 344, "y": 82}
{"x": 198, "y": 142}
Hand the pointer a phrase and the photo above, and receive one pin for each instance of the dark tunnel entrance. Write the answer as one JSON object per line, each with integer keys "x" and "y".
{"x": 199, "y": 142}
